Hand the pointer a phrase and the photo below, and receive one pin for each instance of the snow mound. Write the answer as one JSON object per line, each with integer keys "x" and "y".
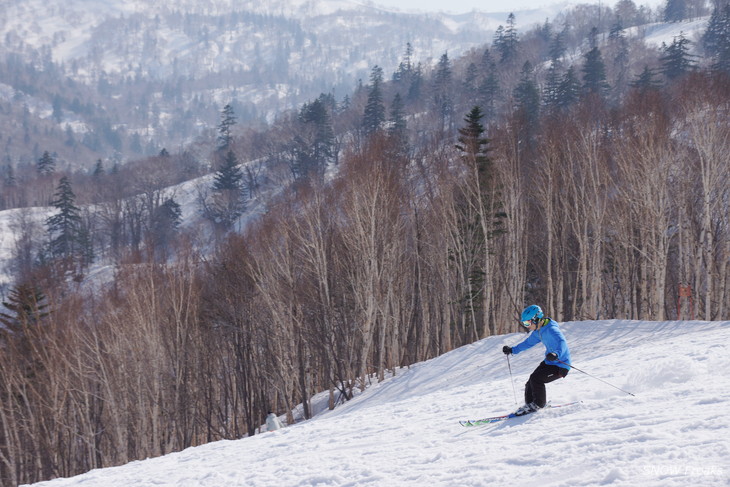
{"x": 675, "y": 370}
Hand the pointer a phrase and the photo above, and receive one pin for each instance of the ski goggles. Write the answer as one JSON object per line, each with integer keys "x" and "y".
{"x": 528, "y": 323}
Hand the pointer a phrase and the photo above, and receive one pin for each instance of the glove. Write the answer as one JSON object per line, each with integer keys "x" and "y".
{"x": 506, "y": 350}
{"x": 552, "y": 356}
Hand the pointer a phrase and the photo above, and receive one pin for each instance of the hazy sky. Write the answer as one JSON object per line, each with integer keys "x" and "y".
{"x": 460, "y": 6}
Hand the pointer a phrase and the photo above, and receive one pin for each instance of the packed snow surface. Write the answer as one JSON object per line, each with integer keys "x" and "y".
{"x": 404, "y": 431}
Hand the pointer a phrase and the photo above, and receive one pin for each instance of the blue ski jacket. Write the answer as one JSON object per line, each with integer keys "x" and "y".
{"x": 550, "y": 335}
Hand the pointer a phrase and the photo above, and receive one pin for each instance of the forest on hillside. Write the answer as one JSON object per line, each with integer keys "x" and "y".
{"x": 105, "y": 79}
{"x": 575, "y": 168}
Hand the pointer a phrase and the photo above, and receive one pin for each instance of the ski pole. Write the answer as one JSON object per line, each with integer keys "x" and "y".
{"x": 511, "y": 379}
{"x": 597, "y": 378}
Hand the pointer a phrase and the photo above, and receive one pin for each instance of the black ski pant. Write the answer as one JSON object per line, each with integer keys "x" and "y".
{"x": 535, "y": 386}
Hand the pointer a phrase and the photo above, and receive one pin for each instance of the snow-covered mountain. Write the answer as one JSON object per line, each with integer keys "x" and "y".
{"x": 405, "y": 432}
{"x": 131, "y": 77}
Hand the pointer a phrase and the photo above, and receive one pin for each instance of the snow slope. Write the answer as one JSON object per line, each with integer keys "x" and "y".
{"x": 404, "y": 431}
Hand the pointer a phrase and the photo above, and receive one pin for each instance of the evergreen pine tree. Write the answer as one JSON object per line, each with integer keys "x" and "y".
{"x": 551, "y": 92}
{"x": 229, "y": 176}
{"x": 315, "y": 140}
{"x": 722, "y": 59}
{"x": 374, "y": 108}
{"x": 545, "y": 33}
{"x": 98, "y": 169}
{"x": 618, "y": 47}
{"x": 507, "y": 41}
{"x": 569, "y": 89}
{"x": 647, "y": 80}
{"x": 486, "y": 63}
{"x": 489, "y": 87}
{"x": 25, "y": 308}
{"x": 470, "y": 81}
{"x": 168, "y": 215}
{"x": 480, "y": 226}
{"x": 557, "y": 46}
{"x": 398, "y": 130}
{"x": 405, "y": 67}
{"x": 527, "y": 95}
{"x": 498, "y": 40}
{"x": 416, "y": 85}
{"x": 473, "y": 142}
{"x": 594, "y": 73}
{"x": 473, "y": 147}
{"x": 26, "y": 305}
{"x": 676, "y": 60}
{"x": 318, "y": 114}
{"x": 85, "y": 253}
{"x": 712, "y": 34}
{"x": 398, "y": 125}
{"x": 165, "y": 222}
{"x": 716, "y": 39}
{"x": 227, "y": 202}
{"x": 443, "y": 99}
{"x": 64, "y": 226}
{"x": 46, "y": 164}
{"x": 225, "y": 127}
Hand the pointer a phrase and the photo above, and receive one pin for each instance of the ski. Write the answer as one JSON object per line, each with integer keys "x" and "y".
{"x": 504, "y": 417}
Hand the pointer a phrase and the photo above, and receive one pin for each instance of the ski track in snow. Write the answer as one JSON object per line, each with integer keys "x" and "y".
{"x": 404, "y": 431}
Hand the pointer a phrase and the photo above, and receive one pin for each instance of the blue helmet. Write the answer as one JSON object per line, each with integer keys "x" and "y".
{"x": 530, "y": 315}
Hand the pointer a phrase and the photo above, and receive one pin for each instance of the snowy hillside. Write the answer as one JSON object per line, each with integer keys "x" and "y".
{"x": 656, "y": 34}
{"x": 108, "y": 39}
{"x": 405, "y": 432}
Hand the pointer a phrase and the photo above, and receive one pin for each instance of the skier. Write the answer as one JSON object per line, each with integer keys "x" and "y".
{"x": 272, "y": 422}
{"x": 557, "y": 357}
